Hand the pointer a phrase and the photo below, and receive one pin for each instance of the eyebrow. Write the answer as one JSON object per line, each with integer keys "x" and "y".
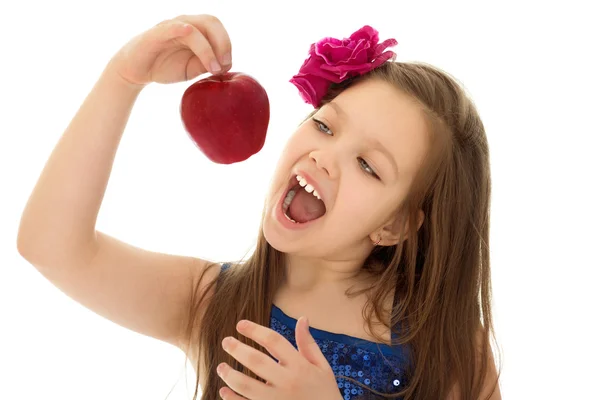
{"x": 376, "y": 143}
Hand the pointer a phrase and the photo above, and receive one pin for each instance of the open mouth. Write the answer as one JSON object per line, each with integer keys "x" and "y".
{"x": 300, "y": 206}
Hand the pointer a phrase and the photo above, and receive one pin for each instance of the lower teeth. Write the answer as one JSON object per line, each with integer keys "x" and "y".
{"x": 286, "y": 204}
{"x": 290, "y": 218}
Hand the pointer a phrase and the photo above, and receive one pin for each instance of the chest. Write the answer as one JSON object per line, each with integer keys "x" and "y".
{"x": 343, "y": 316}
{"x": 361, "y": 362}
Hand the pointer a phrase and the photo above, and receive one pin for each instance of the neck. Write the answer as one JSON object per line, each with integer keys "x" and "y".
{"x": 319, "y": 276}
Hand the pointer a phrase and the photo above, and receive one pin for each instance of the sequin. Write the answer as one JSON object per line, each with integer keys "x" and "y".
{"x": 378, "y": 366}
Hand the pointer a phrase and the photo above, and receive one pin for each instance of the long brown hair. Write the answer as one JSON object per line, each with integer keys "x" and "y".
{"x": 440, "y": 274}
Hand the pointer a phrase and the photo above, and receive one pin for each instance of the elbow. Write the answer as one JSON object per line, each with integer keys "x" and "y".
{"x": 47, "y": 250}
{"x": 28, "y": 237}
{"x": 29, "y": 248}
{"x": 24, "y": 243}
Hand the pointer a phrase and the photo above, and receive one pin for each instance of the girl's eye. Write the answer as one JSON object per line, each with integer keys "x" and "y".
{"x": 322, "y": 127}
{"x": 325, "y": 129}
{"x": 371, "y": 171}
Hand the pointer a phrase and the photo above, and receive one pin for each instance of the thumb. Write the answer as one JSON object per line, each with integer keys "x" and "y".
{"x": 307, "y": 345}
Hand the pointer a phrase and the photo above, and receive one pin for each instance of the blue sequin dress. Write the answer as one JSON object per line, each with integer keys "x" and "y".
{"x": 378, "y": 366}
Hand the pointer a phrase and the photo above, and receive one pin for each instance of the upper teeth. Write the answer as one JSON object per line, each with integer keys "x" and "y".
{"x": 307, "y": 187}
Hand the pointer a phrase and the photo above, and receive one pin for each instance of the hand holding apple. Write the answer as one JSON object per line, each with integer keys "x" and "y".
{"x": 174, "y": 50}
{"x": 227, "y": 116}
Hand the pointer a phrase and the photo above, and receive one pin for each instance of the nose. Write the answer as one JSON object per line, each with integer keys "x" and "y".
{"x": 324, "y": 162}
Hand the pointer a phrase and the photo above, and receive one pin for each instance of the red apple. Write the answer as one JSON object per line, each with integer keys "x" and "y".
{"x": 227, "y": 116}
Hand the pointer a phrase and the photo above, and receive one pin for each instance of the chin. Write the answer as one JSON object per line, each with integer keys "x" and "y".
{"x": 274, "y": 241}
{"x": 273, "y": 235}
{"x": 276, "y": 237}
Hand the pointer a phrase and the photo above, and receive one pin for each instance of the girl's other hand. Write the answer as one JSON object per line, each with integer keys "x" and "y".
{"x": 303, "y": 374}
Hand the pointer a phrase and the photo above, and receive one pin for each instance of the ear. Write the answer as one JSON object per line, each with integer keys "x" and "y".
{"x": 394, "y": 231}
{"x": 421, "y": 218}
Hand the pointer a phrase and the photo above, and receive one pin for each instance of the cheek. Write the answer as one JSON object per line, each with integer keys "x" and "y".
{"x": 295, "y": 148}
{"x": 292, "y": 152}
{"x": 366, "y": 211}
{"x": 351, "y": 205}
{"x": 297, "y": 141}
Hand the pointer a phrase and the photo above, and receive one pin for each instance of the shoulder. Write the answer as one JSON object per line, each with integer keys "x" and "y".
{"x": 491, "y": 384}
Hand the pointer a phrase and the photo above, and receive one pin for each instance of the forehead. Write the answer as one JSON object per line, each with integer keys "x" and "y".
{"x": 377, "y": 110}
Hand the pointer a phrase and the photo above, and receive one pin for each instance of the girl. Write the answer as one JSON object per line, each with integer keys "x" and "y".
{"x": 375, "y": 229}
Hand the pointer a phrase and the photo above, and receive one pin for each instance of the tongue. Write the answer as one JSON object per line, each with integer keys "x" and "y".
{"x": 305, "y": 207}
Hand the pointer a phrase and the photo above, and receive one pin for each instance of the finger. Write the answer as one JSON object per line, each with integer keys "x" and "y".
{"x": 277, "y": 345}
{"x": 216, "y": 34}
{"x": 200, "y": 46}
{"x": 307, "y": 345}
{"x": 258, "y": 362}
{"x": 242, "y": 384}
{"x": 228, "y": 394}
{"x": 165, "y": 31}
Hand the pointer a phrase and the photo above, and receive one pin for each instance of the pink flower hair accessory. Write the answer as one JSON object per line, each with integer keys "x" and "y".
{"x": 331, "y": 60}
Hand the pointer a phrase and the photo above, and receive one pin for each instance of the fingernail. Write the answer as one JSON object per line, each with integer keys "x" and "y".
{"x": 226, "y": 60}
{"x": 214, "y": 66}
{"x": 305, "y": 322}
{"x": 227, "y": 342}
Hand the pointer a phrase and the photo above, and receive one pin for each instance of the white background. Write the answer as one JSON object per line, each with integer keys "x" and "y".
{"x": 529, "y": 66}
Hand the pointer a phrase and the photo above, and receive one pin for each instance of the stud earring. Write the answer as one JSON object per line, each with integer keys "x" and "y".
{"x": 375, "y": 244}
